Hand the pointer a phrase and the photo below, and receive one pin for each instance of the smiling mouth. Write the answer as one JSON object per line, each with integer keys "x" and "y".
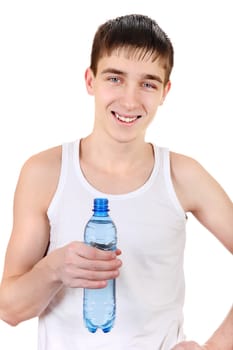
{"x": 126, "y": 119}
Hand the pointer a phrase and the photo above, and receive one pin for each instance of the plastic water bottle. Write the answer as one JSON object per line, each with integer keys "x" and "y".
{"x": 99, "y": 305}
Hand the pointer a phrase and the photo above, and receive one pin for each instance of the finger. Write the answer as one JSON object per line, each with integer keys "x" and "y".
{"x": 93, "y": 253}
{"x": 73, "y": 273}
{"x": 97, "y": 275}
{"x": 83, "y": 283}
{"x": 98, "y": 265}
{"x": 118, "y": 251}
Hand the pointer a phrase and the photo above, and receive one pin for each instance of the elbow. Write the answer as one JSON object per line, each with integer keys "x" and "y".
{"x": 9, "y": 317}
{"x": 14, "y": 317}
{"x": 13, "y": 312}
{"x": 11, "y": 320}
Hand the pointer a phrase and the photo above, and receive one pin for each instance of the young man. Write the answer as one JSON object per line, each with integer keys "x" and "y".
{"x": 150, "y": 190}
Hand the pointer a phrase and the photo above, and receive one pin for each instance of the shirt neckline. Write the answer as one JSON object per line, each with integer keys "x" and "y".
{"x": 97, "y": 193}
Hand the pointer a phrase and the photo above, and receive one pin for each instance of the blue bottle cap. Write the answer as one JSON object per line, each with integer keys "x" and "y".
{"x": 100, "y": 205}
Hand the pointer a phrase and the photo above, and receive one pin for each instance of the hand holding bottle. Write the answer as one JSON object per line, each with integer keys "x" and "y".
{"x": 78, "y": 265}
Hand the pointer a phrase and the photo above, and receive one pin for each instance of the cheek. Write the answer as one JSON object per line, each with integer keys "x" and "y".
{"x": 152, "y": 101}
{"x": 105, "y": 96}
{"x": 102, "y": 101}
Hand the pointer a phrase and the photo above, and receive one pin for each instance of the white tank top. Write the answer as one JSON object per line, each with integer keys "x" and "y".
{"x": 150, "y": 289}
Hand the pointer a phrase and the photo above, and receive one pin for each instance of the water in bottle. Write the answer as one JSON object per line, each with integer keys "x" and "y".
{"x": 99, "y": 305}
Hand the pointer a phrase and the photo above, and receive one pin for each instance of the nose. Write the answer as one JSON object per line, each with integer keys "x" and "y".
{"x": 130, "y": 98}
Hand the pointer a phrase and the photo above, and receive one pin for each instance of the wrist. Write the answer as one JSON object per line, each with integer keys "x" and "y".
{"x": 49, "y": 265}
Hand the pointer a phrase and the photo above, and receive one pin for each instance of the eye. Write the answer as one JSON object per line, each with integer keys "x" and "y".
{"x": 114, "y": 79}
{"x": 149, "y": 85}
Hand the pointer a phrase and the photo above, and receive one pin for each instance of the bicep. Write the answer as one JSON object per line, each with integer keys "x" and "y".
{"x": 30, "y": 234}
{"x": 27, "y": 245}
{"x": 202, "y": 195}
{"x": 213, "y": 208}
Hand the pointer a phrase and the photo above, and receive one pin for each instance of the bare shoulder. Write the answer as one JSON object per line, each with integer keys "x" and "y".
{"x": 48, "y": 160}
{"x": 184, "y": 168}
{"x": 40, "y": 173}
{"x": 200, "y": 194}
{"x": 191, "y": 181}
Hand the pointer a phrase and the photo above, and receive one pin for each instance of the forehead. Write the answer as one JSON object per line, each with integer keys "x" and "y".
{"x": 132, "y": 62}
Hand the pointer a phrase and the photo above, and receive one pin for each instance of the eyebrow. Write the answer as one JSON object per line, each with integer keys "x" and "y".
{"x": 144, "y": 76}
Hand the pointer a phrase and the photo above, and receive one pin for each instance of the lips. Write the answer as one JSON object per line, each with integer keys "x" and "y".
{"x": 126, "y": 118}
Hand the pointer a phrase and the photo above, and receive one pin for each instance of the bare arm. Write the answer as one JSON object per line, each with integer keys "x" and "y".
{"x": 201, "y": 195}
{"x": 31, "y": 279}
{"x": 221, "y": 339}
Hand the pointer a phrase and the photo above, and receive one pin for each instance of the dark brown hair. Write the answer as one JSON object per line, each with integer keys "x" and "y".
{"x": 139, "y": 35}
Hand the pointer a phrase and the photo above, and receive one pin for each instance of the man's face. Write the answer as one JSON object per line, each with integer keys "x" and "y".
{"x": 127, "y": 94}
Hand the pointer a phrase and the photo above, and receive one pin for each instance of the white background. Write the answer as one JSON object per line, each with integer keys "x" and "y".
{"x": 45, "y": 48}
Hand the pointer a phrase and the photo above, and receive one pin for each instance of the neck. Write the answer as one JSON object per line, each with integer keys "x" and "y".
{"x": 113, "y": 154}
{"x": 116, "y": 167}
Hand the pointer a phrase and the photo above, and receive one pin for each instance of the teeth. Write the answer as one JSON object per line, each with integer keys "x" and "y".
{"x": 125, "y": 119}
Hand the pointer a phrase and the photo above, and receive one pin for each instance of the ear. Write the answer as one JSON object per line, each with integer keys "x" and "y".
{"x": 89, "y": 79}
{"x": 165, "y": 91}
